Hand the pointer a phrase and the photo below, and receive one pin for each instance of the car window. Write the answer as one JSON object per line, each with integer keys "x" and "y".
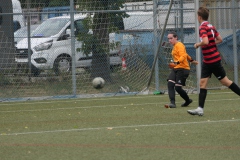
{"x": 50, "y": 27}
{"x": 22, "y": 32}
{"x": 80, "y": 27}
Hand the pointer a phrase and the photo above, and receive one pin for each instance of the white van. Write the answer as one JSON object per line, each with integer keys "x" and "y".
{"x": 51, "y": 47}
{"x": 18, "y": 18}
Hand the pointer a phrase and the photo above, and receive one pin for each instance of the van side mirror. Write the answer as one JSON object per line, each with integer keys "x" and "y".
{"x": 68, "y": 31}
{"x": 16, "y": 25}
{"x": 65, "y": 36}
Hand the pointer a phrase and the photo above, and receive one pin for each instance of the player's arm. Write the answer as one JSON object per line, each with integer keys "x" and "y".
{"x": 204, "y": 42}
{"x": 218, "y": 39}
{"x": 189, "y": 58}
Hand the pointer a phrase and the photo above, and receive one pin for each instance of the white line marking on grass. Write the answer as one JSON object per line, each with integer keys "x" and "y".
{"x": 118, "y": 127}
{"x": 81, "y": 100}
{"x": 120, "y": 105}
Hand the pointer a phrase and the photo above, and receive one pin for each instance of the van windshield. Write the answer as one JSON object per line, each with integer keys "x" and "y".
{"x": 50, "y": 27}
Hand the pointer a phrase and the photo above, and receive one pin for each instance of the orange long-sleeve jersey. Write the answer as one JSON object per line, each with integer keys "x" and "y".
{"x": 180, "y": 55}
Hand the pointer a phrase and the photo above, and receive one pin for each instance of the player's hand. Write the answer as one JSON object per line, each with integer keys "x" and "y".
{"x": 194, "y": 62}
{"x": 172, "y": 65}
{"x": 196, "y": 46}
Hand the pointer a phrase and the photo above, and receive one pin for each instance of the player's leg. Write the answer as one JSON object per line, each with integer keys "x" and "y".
{"x": 221, "y": 75}
{"x": 205, "y": 75}
{"x": 171, "y": 94}
{"x": 184, "y": 96}
{"x": 235, "y": 88}
{"x": 181, "y": 77}
{"x": 231, "y": 85}
{"x": 171, "y": 90}
{"x": 226, "y": 82}
{"x": 203, "y": 92}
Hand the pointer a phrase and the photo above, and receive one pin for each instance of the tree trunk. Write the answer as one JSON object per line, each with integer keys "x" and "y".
{"x": 100, "y": 58}
{"x": 101, "y": 66}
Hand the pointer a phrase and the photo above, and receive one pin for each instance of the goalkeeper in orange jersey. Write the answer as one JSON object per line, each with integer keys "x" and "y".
{"x": 179, "y": 72}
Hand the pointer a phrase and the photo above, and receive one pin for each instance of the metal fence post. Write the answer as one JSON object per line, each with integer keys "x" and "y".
{"x": 29, "y": 41}
{"x": 73, "y": 47}
{"x": 198, "y": 54}
{"x": 155, "y": 43}
{"x": 234, "y": 43}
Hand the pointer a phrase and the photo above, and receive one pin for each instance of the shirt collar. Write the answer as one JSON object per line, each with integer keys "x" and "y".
{"x": 203, "y": 22}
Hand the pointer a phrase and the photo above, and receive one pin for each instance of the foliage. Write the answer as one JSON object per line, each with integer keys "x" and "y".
{"x": 89, "y": 40}
{"x": 4, "y": 80}
{"x": 101, "y": 24}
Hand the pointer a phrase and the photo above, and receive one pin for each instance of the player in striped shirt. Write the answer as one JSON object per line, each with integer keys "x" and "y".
{"x": 209, "y": 38}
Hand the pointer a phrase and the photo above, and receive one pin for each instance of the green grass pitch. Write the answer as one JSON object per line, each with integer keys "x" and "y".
{"x": 121, "y": 128}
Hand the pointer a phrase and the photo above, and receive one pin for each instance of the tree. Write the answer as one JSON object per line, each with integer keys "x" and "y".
{"x": 102, "y": 23}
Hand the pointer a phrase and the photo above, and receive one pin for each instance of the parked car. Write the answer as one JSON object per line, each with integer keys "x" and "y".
{"x": 51, "y": 47}
{"x": 18, "y": 20}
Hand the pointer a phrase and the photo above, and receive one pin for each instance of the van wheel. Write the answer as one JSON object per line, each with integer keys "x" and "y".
{"x": 62, "y": 65}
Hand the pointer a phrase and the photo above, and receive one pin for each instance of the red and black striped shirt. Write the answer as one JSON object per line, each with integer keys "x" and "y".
{"x": 210, "y": 51}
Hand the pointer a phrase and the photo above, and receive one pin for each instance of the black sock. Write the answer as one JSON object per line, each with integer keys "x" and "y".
{"x": 201, "y": 97}
{"x": 182, "y": 93}
{"x": 171, "y": 92}
{"x": 235, "y": 88}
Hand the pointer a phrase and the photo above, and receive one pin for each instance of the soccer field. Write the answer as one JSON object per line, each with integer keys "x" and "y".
{"x": 121, "y": 128}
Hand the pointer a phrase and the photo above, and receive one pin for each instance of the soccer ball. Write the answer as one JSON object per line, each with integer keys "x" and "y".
{"x": 98, "y": 82}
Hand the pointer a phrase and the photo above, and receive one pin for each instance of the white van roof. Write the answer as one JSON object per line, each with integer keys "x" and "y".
{"x": 138, "y": 21}
{"x": 76, "y": 16}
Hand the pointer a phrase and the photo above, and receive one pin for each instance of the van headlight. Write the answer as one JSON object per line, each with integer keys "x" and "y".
{"x": 43, "y": 46}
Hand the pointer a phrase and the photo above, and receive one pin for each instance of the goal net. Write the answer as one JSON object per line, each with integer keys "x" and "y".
{"x": 111, "y": 39}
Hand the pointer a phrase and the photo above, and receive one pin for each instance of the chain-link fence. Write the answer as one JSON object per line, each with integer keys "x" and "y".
{"x": 43, "y": 56}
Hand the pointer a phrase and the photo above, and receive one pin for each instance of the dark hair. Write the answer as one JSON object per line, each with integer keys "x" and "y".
{"x": 173, "y": 33}
{"x": 203, "y": 12}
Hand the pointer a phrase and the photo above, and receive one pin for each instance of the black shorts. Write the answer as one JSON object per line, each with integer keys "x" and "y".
{"x": 179, "y": 76}
{"x": 214, "y": 68}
